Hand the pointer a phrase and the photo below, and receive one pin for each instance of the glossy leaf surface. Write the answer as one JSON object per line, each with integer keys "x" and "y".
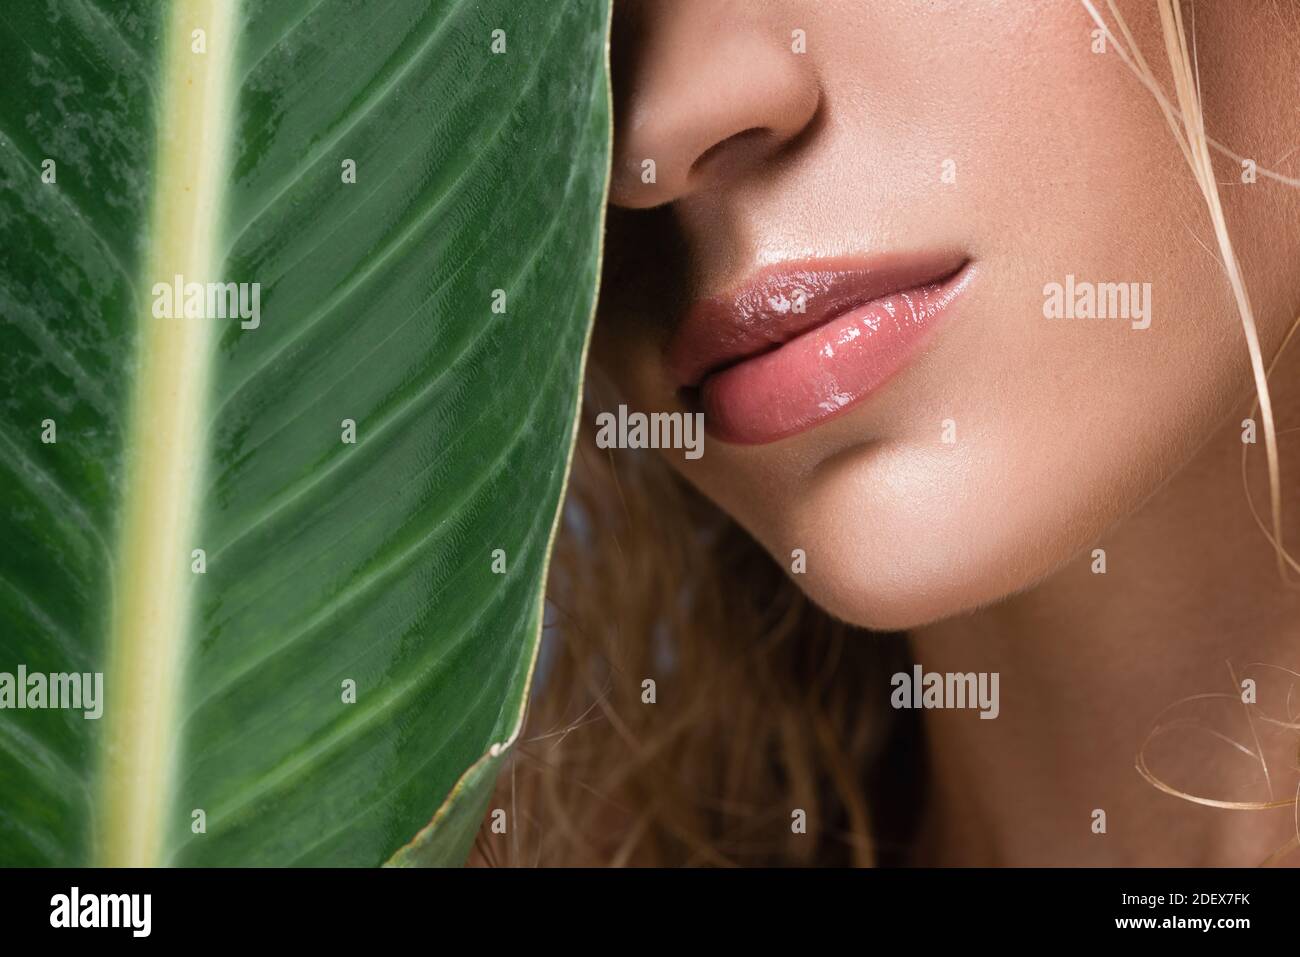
{"x": 237, "y": 520}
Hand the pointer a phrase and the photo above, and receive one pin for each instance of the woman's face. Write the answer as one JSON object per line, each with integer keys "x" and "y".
{"x": 845, "y": 255}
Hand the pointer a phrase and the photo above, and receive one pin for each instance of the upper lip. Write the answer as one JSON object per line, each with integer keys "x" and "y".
{"x": 762, "y": 314}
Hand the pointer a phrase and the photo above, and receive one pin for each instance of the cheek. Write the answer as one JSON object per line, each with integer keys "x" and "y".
{"x": 1014, "y": 444}
{"x": 906, "y": 532}
{"x": 1059, "y": 427}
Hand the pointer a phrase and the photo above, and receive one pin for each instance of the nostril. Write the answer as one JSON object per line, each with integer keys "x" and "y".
{"x": 736, "y": 150}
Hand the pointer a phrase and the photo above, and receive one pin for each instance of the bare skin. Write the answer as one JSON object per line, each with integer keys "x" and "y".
{"x": 1088, "y": 663}
{"x": 1069, "y": 435}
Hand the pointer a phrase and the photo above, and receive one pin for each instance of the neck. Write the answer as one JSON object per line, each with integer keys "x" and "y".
{"x": 1191, "y": 603}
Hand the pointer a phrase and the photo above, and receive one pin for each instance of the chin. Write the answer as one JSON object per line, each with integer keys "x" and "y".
{"x": 899, "y": 549}
{"x": 903, "y": 592}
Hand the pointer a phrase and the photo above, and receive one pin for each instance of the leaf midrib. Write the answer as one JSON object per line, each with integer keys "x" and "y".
{"x": 166, "y": 446}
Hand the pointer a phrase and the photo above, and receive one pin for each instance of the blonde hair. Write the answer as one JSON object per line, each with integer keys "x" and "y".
{"x": 1187, "y": 125}
{"x": 757, "y": 708}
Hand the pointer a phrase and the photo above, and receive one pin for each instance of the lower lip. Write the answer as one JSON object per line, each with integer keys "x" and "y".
{"x": 824, "y": 371}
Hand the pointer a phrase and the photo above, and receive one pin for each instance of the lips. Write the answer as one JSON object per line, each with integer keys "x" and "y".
{"x": 803, "y": 342}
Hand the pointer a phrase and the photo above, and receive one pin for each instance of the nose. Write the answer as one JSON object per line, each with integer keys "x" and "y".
{"x": 706, "y": 91}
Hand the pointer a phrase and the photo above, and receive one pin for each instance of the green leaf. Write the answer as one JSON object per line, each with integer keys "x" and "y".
{"x": 222, "y": 157}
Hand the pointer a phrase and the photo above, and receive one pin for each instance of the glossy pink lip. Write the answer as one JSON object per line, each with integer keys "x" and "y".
{"x": 802, "y": 342}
